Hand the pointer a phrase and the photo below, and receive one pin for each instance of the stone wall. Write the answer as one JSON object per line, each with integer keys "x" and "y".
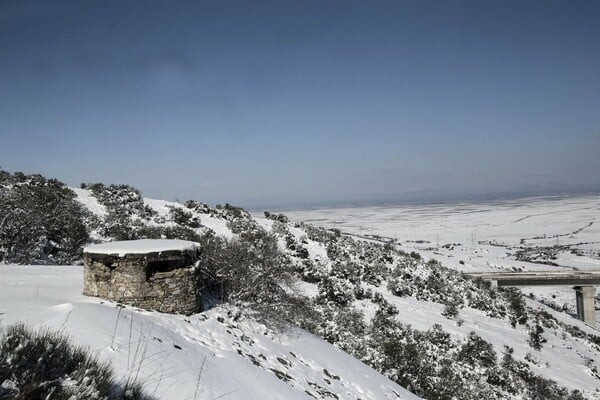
{"x": 163, "y": 282}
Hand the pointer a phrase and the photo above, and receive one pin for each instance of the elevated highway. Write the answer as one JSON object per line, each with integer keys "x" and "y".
{"x": 540, "y": 278}
{"x": 583, "y": 282}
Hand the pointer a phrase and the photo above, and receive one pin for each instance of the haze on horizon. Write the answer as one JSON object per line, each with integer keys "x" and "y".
{"x": 264, "y": 103}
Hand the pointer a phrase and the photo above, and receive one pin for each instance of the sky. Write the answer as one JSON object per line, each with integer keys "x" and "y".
{"x": 299, "y": 102}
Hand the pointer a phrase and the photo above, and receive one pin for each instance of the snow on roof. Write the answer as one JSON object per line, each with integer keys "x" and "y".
{"x": 141, "y": 246}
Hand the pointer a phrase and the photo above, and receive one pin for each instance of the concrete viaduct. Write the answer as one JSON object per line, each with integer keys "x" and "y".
{"x": 582, "y": 281}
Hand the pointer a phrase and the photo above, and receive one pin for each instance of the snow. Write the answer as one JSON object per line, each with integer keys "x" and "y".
{"x": 265, "y": 223}
{"x": 167, "y": 352}
{"x": 563, "y": 360}
{"x": 471, "y": 237}
{"x": 87, "y": 199}
{"x": 486, "y": 237}
{"x": 162, "y": 207}
{"x": 141, "y": 246}
{"x": 482, "y": 236}
{"x": 486, "y": 234}
{"x": 218, "y": 225}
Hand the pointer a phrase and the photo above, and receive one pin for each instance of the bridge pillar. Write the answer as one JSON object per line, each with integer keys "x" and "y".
{"x": 584, "y": 298}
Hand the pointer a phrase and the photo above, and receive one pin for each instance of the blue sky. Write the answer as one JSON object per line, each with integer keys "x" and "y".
{"x": 268, "y": 103}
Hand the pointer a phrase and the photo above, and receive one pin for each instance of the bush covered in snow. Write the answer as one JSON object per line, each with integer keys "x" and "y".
{"x": 120, "y": 199}
{"x": 429, "y": 363}
{"x": 46, "y": 365}
{"x": 126, "y": 210}
{"x": 249, "y": 269}
{"x": 40, "y": 221}
{"x": 184, "y": 218}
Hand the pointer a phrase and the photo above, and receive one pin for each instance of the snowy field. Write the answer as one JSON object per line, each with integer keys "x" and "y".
{"x": 539, "y": 233}
{"x": 204, "y": 356}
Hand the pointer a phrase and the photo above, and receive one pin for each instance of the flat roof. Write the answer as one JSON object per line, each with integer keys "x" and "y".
{"x": 141, "y": 246}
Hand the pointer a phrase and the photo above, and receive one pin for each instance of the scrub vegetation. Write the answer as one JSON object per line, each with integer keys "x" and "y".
{"x": 345, "y": 293}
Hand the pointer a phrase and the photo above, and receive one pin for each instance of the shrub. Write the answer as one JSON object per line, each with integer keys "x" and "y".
{"x": 41, "y": 221}
{"x": 336, "y": 290}
{"x": 250, "y": 269}
{"x": 184, "y": 218}
{"x": 450, "y": 310}
{"x": 123, "y": 200}
{"x": 169, "y": 232}
{"x": 535, "y": 335}
{"x": 477, "y": 351}
{"x": 517, "y": 306}
{"x": 45, "y": 364}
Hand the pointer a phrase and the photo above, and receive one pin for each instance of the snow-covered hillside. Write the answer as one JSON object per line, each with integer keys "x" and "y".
{"x": 550, "y": 361}
{"x": 205, "y": 356}
{"x": 375, "y": 292}
{"x": 485, "y": 225}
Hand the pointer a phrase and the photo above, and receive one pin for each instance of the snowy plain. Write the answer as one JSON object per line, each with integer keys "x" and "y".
{"x": 530, "y": 234}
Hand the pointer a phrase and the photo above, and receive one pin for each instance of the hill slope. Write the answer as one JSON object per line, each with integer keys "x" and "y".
{"x": 422, "y": 325}
{"x": 203, "y": 356}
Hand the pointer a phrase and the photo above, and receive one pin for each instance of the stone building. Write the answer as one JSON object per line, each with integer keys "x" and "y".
{"x": 150, "y": 274}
